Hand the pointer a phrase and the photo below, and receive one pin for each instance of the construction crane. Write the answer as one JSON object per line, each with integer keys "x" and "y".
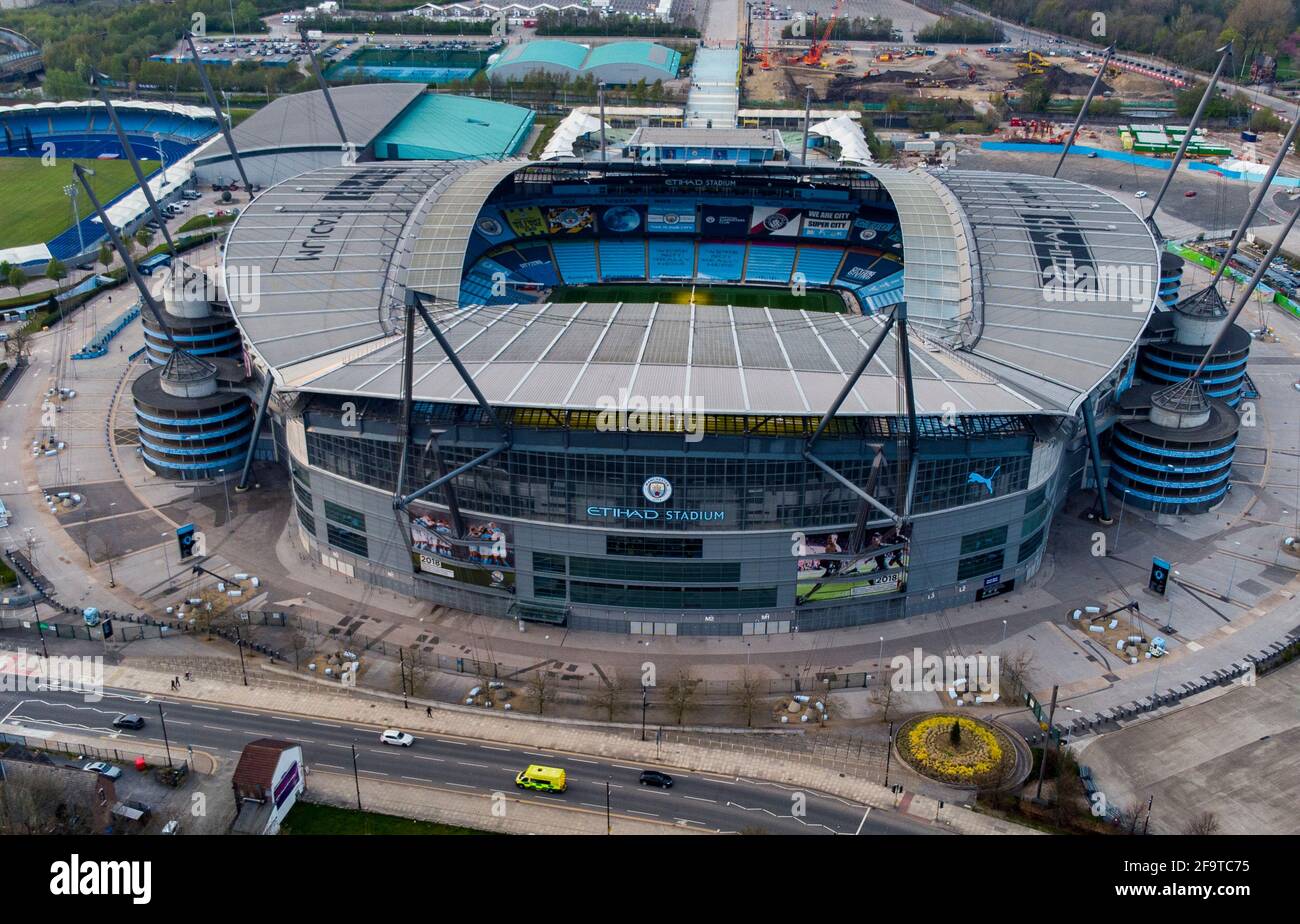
{"x": 813, "y": 57}
{"x": 765, "y": 59}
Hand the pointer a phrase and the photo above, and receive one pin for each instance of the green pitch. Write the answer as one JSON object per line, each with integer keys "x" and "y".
{"x": 739, "y": 296}
{"x": 33, "y": 208}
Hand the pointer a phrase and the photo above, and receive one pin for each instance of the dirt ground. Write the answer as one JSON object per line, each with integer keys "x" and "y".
{"x": 858, "y": 74}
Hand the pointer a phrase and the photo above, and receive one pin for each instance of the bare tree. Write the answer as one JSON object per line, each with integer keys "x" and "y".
{"x": 1204, "y": 823}
{"x": 681, "y": 695}
{"x": 18, "y": 344}
{"x": 1014, "y": 675}
{"x": 882, "y": 696}
{"x": 610, "y": 696}
{"x": 749, "y": 693}
{"x": 419, "y": 671}
{"x": 37, "y": 799}
{"x": 540, "y": 690}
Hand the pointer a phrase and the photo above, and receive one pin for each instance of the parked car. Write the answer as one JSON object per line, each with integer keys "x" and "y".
{"x": 130, "y": 720}
{"x": 191, "y": 195}
{"x": 397, "y": 738}
{"x": 1140, "y": 194}
{"x": 1190, "y": 194}
{"x": 103, "y": 768}
{"x": 656, "y": 778}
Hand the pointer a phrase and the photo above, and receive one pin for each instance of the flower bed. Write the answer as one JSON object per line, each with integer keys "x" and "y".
{"x": 976, "y": 756}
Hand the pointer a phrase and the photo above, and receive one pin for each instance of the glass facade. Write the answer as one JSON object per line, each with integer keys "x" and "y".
{"x": 734, "y": 491}
{"x": 347, "y": 540}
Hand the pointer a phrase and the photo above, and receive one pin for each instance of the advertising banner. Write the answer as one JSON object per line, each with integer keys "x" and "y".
{"x": 527, "y": 221}
{"x": 769, "y": 221}
{"x": 826, "y": 224}
{"x": 858, "y": 269}
{"x": 725, "y": 220}
{"x": 670, "y": 218}
{"x": 572, "y": 219}
{"x": 483, "y": 557}
{"x": 831, "y": 572}
{"x": 492, "y": 227}
{"x": 621, "y": 219}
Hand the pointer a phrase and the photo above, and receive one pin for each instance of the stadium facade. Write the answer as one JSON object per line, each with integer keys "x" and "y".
{"x": 669, "y": 466}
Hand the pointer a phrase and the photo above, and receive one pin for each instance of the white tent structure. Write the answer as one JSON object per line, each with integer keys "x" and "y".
{"x": 575, "y": 125}
{"x": 847, "y": 133}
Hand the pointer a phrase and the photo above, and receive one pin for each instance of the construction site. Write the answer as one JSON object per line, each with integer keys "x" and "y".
{"x": 781, "y": 69}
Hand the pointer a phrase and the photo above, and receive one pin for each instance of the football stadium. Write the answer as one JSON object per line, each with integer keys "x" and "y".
{"x": 690, "y": 398}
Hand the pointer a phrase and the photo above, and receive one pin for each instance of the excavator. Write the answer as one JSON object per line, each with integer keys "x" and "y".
{"x": 1034, "y": 63}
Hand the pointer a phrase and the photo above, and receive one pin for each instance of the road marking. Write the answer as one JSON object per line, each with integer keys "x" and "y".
{"x": 253, "y": 714}
{"x": 863, "y": 821}
{"x": 591, "y": 805}
{"x": 374, "y": 772}
{"x": 700, "y": 799}
{"x": 488, "y": 747}
{"x": 535, "y": 754}
{"x": 418, "y": 779}
{"x": 712, "y": 780}
{"x": 466, "y": 763}
{"x": 330, "y": 766}
{"x": 449, "y": 741}
{"x": 422, "y": 757}
{"x": 208, "y": 708}
{"x": 219, "y": 728}
{"x": 690, "y": 821}
{"x": 622, "y": 767}
{"x": 579, "y": 760}
{"x": 285, "y": 718}
{"x": 647, "y": 814}
{"x": 179, "y": 722}
{"x": 461, "y": 785}
{"x": 327, "y": 724}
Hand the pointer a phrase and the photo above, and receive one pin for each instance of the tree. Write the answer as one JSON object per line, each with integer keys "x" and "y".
{"x": 17, "y": 278}
{"x": 681, "y": 695}
{"x": 1204, "y": 823}
{"x": 882, "y": 697}
{"x": 1014, "y": 674}
{"x": 105, "y": 255}
{"x": 540, "y": 690}
{"x": 54, "y": 270}
{"x": 749, "y": 692}
{"x": 608, "y": 700}
{"x": 1034, "y": 96}
{"x": 143, "y": 237}
{"x": 18, "y": 343}
{"x": 954, "y": 734}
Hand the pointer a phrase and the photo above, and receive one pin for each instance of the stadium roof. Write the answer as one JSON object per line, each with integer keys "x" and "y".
{"x": 441, "y": 127}
{"x": 729, "y": 360}
{"x": 180, "y": 109}
{"x": 337, "y": 249}
{"x": 581, "y": 58}
{"x": 304, "y": 118}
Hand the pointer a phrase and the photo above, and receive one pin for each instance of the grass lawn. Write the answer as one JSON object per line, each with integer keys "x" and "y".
{"x": 739, "y": 296}
{"x": 33, "y": 208}
{"x": 203, "y": 222}
{"x": 309, "y": 818}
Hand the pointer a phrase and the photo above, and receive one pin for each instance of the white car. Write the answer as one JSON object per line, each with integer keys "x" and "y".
{"x": 397, "y": 738}
{"x": 1140, "y": 194}
{"x": 104, "y": 769}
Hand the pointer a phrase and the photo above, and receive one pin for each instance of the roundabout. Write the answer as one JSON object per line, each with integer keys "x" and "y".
{"x": 962, "y": 751}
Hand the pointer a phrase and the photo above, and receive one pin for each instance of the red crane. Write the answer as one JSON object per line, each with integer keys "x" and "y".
{"x": 814, "y": 54}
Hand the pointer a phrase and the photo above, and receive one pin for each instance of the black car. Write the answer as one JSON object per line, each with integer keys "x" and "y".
{"x": 656, "y": 778}
{"x": 129, "y": 721}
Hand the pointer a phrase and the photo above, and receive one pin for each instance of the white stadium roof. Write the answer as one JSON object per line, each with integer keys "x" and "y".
{"x": 337, "y": 248}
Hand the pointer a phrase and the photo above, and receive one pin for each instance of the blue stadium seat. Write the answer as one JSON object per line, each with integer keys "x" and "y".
{"x": 769, "y": 263}
{"x": 622, "y": 259}
{"x": 576, "y": 261}
{"x": 720, "y": 262}
{"x": 672, "y": 259}
{"x": 818, "y": 264}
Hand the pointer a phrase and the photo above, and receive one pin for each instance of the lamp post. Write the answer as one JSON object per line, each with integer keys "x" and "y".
{"x": 1004, "y": 632}
{"x": 239, "y": 643}
{"x": 167, "y": 565}
{"x": 1232, "y": 576}
{"x": 644, "y": 705}
{"x": 45, "y": 652}
{"x": 880, "y": 658}
{"x": 1120, "y": 525}
{"x": 225, "y": 487}
{"x": 162, "y": 718}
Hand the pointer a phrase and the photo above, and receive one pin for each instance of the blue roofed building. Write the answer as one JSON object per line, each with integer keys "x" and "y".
{"x": 616, "y": 63}
{"x": 445, "y": 127}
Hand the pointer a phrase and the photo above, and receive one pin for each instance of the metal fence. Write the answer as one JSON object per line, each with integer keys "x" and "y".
{"x": 180, "y": 754}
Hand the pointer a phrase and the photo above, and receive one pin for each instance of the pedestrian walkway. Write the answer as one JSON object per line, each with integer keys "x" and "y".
{"x": 534, "y": 732}
{"x": 714, "y": 97}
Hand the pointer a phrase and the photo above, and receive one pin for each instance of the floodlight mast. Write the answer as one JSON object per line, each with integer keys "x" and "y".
{"x": 221, "y": 119}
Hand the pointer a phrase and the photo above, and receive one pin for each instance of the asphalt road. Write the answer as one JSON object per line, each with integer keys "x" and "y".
{"x": 699, "y": 800}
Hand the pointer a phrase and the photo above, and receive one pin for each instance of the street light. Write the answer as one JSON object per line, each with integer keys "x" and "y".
{"x": 1120, "y": 525}
{"x": 166, "y": 563}
{"x": 644, "y": 705}
{"x": 1004, "y": 632}
{"x": 880, "y": 658}
{"x": 162, "y": 718}
{"x": 226, "y": 487}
